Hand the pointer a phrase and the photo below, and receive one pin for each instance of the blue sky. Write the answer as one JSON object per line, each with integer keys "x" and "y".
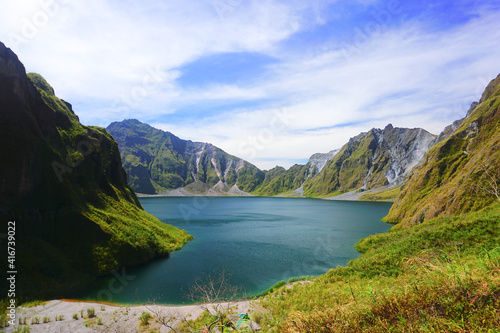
{"x": 269, "y": 81}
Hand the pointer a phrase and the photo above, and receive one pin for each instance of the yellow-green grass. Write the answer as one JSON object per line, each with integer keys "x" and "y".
{"x": 385, "y": 195}
{"x": 442, "y": 275}
{"x": 131, "y": 227}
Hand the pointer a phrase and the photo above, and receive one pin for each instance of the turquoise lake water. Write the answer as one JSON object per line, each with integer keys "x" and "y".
{"x": 256, "y": 241}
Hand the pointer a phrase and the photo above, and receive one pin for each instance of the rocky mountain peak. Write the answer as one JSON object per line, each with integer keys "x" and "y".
{"x": 318, "y": 161}
{"x": 159, "y": 162}
{"x": 489, "y": 90}
{"x": 372, "y": 160}
{"x": 16, "y": 87}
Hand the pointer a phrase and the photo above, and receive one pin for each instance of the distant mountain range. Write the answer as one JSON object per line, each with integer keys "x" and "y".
{"x": 158, "y": 162}
{"x": 374, "y": 160}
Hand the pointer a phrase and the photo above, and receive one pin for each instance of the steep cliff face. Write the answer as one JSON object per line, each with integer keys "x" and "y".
{"x": 371, "y": 160}
{"x": 318, "y": 161}
{"x": 458, "y": 172}
{"x": 64, "y": 186}
{"x": 157, "y": 161}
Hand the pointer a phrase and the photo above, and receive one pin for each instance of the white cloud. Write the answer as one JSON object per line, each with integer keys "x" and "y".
{"x": 408, "y": 77}
{"x": 94, "y": 49}
{"x": 100, "y": 56}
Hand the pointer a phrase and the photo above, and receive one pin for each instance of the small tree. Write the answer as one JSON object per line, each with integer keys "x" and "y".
{"x": 164, "y": 317}
{"x": 214, "y": 295}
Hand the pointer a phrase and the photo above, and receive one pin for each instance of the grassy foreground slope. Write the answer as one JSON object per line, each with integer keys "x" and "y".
{"x": 438, "y": 270}
{"x": 440, "y": 276}
{"x": 64, "y": 186}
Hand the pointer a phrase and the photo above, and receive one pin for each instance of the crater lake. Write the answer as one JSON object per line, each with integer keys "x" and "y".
{"x": 257, "y": 241}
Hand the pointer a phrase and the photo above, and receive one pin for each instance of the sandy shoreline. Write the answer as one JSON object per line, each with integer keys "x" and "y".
{"x": 112, "y": 318}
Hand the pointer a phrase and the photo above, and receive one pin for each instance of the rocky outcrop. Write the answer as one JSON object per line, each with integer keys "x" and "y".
{"x": 370, "y": 160}
{"x": 405, "y": 148}
{"x": 318, "y": 161}
{"x": 450, "y": 129}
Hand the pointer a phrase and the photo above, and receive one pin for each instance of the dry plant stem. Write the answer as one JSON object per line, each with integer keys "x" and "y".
{"x": 490, "y": 182}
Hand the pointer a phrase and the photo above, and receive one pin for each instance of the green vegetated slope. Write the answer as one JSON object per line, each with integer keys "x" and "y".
{"x": 279, "y": 180}
{"x": 456, "y": 173}
{"x": 371, "y": 160}
{"x": 156, "y": 161}
{"x": 64, "y": 186}
{"x": 388, "y": 195}
{"x": 441, "y": 274}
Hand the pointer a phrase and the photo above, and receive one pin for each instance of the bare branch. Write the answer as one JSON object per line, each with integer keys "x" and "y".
{"x": 164, "y": 318}
{"x": 214, "y": 295}
{"x": 489, "y": 182}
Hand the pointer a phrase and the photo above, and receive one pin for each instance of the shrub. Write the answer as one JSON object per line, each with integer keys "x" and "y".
{"x": 144, "y": 318}
{"x": 257, "y": 317}
{"x": 91, "y": 312}
{"x": 4, "y": 321}
{"x": 75, "y": 316}
{"x": 22, "y": 329}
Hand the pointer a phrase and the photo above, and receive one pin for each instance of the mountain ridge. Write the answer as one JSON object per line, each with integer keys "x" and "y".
{"x": 148, "y": 149}
{"x": 370, "y": 160}
{"x": 450, "y": 180}
{"x": 158, "y": 161}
